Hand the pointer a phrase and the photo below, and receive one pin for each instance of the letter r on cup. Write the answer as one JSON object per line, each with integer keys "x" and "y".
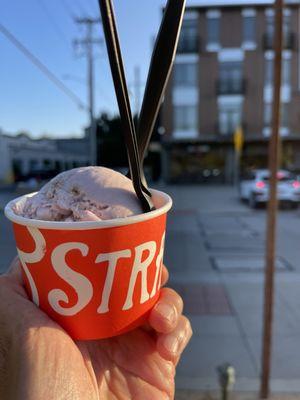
{"x": 140, "y": 266}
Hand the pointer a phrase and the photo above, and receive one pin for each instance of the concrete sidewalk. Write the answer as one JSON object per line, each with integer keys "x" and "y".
{"x": 215, "y": 254}
{"x": 190, "y": 395}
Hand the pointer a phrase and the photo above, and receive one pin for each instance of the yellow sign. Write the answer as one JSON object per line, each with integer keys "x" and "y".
{"x": 238, "y": 139}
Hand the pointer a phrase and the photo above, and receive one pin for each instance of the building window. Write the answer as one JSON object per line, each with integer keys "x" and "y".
{"x": 33, "y": 165}
{"x": 18, "y": 168}
{"x": 286, "y": 25}
{"x": 285, "y": 115}
{"x": 230, "y": 118}
{"x": 185, "y": 74}
{"x": 269, "y": 71}
{"x": 47, "y": 163}
{"x": 270, "y": 27}
{"x": 185, "y": 118}
{"x": 58, "y": 166}
{"x": 288, "y": 37}
{"x": 188, "y": 41}
{"x": 286, "y": 68}
{"x": 213, "y": 29}
{"x": 249, "y": 31}
{"x": 268, "y": 112}
{"x": 286, "y": 71}
{"x": 230, "y": 78}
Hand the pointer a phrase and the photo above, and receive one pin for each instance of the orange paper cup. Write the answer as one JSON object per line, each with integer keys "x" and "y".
{"x": 96, "y": 279}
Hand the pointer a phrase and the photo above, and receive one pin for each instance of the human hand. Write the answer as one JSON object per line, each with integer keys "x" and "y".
{"x": 39, "y": 360}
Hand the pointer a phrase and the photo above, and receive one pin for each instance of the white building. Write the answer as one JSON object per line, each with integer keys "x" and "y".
{"x": 23, "y": 154}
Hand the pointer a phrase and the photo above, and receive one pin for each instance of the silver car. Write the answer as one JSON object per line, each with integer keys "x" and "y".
{"x": 254, "y": 188}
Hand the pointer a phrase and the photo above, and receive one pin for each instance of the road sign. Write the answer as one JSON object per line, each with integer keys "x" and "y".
{"x": 238, "y": 139}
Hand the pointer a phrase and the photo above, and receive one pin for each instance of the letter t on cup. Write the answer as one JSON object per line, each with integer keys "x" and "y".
{"x": 112, "y": 259}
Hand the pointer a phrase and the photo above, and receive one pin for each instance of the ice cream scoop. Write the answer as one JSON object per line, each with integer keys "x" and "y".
{"x": 83, "y": 194}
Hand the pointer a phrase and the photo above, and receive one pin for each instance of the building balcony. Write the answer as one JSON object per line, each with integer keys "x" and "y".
{"x": 228, "y": 130}
{"x": 289, "y": 41}
{"x": 230, "y": 87}
{"x": 188, "y": 45}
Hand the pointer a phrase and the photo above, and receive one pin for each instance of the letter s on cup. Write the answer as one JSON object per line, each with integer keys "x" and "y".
{"x": 34, "y": 257}
{"x": 79, "y": 282}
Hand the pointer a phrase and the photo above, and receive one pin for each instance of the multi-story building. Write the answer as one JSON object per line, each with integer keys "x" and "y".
{"x": 222, "y": 79}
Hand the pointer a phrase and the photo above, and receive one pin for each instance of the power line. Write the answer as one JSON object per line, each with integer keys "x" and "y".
{"x": 82, "y": 9}
{"x": 67, "y": 9}
{"x": 94, "y": 7}
{"x": 52, "y": 21}
{"x": 42, "y": 67}
{"x": 106, "y": 96}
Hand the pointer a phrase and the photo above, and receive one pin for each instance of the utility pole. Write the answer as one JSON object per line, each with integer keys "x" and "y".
{"x": 88, "y": 43}
{"x": 274, "y": 157}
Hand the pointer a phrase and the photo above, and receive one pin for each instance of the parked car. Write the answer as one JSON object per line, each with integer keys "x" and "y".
{"x": 254, "y": 188}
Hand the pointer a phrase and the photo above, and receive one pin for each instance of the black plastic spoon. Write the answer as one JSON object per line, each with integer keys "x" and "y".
{"x": 116, "y": 64}
{"x": 160, "y": 70}
{"x": 159, "y": 73}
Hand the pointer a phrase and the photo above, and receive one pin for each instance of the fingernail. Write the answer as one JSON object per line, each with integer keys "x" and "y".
{"x": 167, "y": 311}
{"x": 171, "y": 343}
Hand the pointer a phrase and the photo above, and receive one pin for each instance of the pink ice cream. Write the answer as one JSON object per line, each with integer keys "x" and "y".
{"x": 83, "y": 194}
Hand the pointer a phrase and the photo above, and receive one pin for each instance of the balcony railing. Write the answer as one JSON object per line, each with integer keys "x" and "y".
{"x": 229, "y": 129}
{"x": 230, "y": 86}
{"x": 189, "y": 45}
{"x": 289, "y": 41}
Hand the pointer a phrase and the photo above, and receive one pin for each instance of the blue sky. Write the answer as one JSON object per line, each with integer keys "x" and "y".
{"x": 30, "y": 102}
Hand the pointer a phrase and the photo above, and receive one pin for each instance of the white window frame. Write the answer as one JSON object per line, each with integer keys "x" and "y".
{"x": 187, "y": 58}
{"x": 249, "y": 12}
{"x": 213, "y": 13}
{"x": 283, "y": 131}
{"x": 231, "y": 54}
{"x": 191, "y": 15}
{"x": 230, "y": 100}
{"x": 187, "y": 133}
{"x": 269, "y": 12}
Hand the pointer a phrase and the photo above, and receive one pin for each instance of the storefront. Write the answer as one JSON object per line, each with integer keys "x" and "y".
{"x": 214, "y": 162}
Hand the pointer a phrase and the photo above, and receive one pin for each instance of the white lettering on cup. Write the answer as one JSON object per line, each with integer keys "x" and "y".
{"x": 159, "y": 259}
{"x": 34, "y": 257}
{"x": 79, "y": 282}
{"x": 140, "y": 266}
{"x": 112, "y": 259}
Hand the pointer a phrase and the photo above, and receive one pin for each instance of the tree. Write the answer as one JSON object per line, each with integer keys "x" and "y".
{"x": 112, "y": 149}
{"x": 110, "y": 142}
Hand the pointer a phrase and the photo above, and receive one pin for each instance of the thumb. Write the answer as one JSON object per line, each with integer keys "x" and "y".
{"x": 14, "y": 271}
{"x": 14, "y": 276}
